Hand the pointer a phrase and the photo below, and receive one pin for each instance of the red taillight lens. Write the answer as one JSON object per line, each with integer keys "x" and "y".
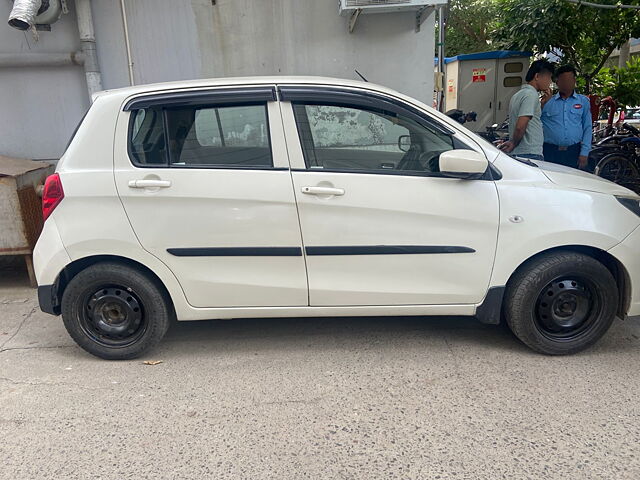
{"x": 52, "y": 194}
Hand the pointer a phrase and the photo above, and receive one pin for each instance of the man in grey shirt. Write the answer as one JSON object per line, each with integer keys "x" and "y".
{"x": 525, "y": 125}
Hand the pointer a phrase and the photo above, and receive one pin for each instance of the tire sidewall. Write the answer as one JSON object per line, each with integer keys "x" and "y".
{"x": 522, "y": 318}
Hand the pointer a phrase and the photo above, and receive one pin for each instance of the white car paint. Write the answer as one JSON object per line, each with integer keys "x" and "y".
{"x": 101, "y": 215}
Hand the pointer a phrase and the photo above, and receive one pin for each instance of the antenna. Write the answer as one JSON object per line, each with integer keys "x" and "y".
{"x": 360, "y": 75}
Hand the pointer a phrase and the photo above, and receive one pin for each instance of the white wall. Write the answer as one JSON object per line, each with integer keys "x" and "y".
{"x": 183, "y": 39}
{"x": 39, "y": 107}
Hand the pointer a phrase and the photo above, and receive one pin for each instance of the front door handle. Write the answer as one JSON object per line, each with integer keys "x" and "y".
{"x": 149, "y": 183}
{"x": 323, "y": 191}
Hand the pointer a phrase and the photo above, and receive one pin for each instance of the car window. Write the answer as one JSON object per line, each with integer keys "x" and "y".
{"x": 339, "y": 137}
{"x": 147, "y": 142}
{"x": 229, "y": 136}
{"x": 219, "y": 136}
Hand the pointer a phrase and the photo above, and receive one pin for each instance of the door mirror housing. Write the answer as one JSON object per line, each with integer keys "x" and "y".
{"x": 404, "y": 142}
{"x": 466, "y": 164}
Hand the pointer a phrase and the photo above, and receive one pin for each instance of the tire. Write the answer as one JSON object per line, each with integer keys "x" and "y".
{"x": 561, "y": 302}
{"x": 115, "y": 312}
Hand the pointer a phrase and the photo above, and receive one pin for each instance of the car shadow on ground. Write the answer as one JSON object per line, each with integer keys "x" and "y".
{"x": 342, "y": 332}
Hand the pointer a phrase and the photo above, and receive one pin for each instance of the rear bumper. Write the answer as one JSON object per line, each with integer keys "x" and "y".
{"x": 48, "y": 300}
{"x": 628, "y": 253}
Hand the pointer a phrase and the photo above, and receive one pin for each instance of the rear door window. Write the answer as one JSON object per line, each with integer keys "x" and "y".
{"x": 230, "y": 136}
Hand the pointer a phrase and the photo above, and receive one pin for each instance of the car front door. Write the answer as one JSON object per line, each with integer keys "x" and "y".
{"x": 380, "y": 224}
{"x": 204, "y": 179}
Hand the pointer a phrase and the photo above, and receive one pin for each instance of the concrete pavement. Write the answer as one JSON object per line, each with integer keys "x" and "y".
{"x": 366, "y": 398}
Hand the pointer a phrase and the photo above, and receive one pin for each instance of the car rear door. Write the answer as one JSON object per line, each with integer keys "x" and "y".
{"x": 204, "y": 179}
{"x": 382, "y": 226}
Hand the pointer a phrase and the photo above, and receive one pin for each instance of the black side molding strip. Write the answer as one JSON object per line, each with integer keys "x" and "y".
{"x": 387, "y": 250}
{"x": 236, "y": 252}
{"x": 218, "y": 96}
{"x": 297, "y": 252}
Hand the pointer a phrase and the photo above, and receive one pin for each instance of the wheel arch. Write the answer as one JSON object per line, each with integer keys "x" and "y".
{"x": 75, "y": 267}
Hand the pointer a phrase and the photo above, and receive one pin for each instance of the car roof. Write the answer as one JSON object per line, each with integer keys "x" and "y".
{"x": 241, "y": 81}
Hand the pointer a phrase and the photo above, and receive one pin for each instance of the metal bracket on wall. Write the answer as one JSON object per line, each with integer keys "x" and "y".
{"x": 421, "y": 16}
{"x": 354, "y": 18}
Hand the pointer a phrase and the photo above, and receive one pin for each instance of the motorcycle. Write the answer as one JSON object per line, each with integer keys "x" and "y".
{"x": 619, "y": 158}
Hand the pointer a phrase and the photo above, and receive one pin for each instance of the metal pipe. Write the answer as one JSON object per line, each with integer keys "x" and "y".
{"x": 88, "y": 46}
{"x": 441, "y": 38}
{"x": 127, "y": 43}
{"x": 10, "y": 60}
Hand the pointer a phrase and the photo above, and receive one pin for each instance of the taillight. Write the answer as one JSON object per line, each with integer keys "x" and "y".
{"x": 52, "y": 194}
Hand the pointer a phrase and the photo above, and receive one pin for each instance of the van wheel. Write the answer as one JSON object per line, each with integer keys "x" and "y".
{"x": 114, "y": 311}
{"x": 561, "y": 303}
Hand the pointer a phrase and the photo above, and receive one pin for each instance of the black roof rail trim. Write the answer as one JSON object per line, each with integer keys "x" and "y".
{"x": 216, "y": 96}
{"x": 364, "y": 98}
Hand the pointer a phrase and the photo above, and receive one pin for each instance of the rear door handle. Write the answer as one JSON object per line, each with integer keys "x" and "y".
{"x": 322, "y": 191}
{"x": 149, "y": 183}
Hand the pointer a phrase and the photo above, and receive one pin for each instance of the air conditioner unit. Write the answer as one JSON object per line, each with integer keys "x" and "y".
{"x": 385, "y": 6}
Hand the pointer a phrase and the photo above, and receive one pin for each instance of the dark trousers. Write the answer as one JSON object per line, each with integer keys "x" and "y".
{"x": 567, "y": 156}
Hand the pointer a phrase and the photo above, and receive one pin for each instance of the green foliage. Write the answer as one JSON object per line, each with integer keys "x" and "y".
{"x": 623, "y": 84}
{"x": 585, "y": 36}
{"x": 469, "y": 26}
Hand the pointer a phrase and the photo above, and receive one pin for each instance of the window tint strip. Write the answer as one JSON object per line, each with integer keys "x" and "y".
{"x": 333, "y": 95}
{"x": 222, "y": 96}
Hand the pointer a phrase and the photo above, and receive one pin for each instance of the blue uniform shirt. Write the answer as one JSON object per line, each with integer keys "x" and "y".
{"x": 567, "y": 121}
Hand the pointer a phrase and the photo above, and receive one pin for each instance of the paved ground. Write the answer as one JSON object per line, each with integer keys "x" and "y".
{"x": 335, "y": 398}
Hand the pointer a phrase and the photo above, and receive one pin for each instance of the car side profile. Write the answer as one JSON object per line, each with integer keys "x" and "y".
{"x": 301, "y": 196}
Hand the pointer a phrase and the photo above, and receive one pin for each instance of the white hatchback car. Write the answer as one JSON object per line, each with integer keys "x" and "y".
{"x": 287, "y": 197}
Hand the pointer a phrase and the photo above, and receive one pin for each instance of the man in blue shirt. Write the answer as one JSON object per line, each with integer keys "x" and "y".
{"x": 567, "y": 123}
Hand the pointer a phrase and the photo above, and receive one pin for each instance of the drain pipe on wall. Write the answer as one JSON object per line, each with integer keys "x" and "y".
{"x": 88, "y": 47}
{"x": 127, "y": 42}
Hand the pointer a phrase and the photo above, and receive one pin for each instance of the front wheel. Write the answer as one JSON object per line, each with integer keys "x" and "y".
{"x": 561, "y": 302}
{"x": 114, "y": 311}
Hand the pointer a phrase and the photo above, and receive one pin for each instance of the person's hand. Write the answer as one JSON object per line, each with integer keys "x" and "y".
{"x": 546, "y": 96}
{"x": 507, "y": 146}
{"x": 583, "y": 161}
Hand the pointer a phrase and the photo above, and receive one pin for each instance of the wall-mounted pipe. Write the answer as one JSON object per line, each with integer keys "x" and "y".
{"x": 88, "y": 46}
{"x": 20, "y": 60}
{"x": 127, "y": 42}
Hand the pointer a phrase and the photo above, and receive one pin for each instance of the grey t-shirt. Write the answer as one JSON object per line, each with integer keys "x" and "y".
{"x": 526, "y": 103}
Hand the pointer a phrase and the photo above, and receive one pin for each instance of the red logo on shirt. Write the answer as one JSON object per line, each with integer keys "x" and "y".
{"x": 578, "y": 106}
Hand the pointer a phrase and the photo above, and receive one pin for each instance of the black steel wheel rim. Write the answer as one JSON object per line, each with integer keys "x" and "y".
{"x": 113, "y": 316}
{"x": 568, "y": 308}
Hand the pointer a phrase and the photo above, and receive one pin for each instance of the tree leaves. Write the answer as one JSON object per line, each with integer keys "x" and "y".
{"x": 582, "y": 35}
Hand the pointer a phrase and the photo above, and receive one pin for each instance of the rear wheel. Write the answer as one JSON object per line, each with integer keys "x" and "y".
{"x": 561, "y": 302}
{"x": 114, "y": 311}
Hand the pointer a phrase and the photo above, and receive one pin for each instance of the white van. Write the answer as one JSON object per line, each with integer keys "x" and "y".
{"x": 289, "y": 197}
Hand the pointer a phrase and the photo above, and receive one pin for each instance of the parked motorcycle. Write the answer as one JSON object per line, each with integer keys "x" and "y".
{"x": 461, "y": 117}
{"x": 497, "y": 133}
{"x": 619, "y": 158}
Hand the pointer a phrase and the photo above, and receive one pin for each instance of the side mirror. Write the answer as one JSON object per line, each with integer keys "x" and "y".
{"x": 404, "y": 142}
{"x": 466, "y": 164}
